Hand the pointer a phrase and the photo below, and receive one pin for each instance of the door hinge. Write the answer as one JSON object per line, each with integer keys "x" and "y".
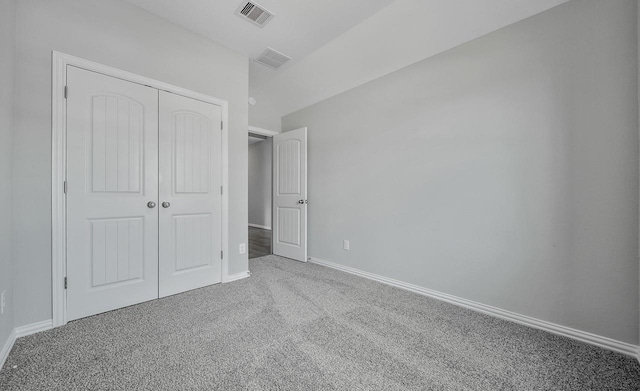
{"x": 65, "y": 283}
{"x": 221, "y": 254}
{"x": 221, "y": 190}
{"x": 66, "y": 92}
{"x": 221, "y": 125}
{"x": 64, "y": 186}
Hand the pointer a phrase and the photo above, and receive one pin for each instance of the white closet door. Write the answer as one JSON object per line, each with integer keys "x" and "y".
{"x": 290, "y": 194}
{"x": 112, "y": 174}
{"x": 190, "y": 200}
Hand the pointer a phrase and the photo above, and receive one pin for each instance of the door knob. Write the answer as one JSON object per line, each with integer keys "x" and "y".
{"x": 302, "y": 202}
{"x": 151, "y": 204}
{"x": 166, "y": 204}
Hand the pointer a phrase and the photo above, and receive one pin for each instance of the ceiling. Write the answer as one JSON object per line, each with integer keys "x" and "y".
{"x": 337, "y": 45}
{"x": 420, "y": 29}
{"x": 298, "y": 28}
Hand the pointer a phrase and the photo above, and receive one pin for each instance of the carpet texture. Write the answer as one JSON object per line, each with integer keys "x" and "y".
{"x": 295, "y": 326}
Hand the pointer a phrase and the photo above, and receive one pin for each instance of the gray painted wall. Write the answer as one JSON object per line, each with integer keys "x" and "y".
{"x": 264, "y": 113}
{"x": 7, "y": 73}
{"x": 260, "y": 183}
{"x": 503, "y": 171}
{"x": 123, "y": 36}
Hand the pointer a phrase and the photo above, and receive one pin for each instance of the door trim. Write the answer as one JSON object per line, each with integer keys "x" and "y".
{"x": 262, "y": 131}
{"x": 59, "y": 64}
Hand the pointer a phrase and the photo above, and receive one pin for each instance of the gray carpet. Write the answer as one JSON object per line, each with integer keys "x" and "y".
{"x": 295, "y": 326}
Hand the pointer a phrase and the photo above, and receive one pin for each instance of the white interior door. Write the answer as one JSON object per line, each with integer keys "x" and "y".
{"x": 112, "y": 174}
{"x": 290, "y": 194}
{"x": 190, "y": 194}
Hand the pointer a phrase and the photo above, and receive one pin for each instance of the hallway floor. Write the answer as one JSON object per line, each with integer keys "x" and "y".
{"x": 259, "y": 242}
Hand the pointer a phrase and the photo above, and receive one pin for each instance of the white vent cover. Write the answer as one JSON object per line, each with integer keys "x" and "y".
{"x": 272, "y": 58}
{"x": 254, "y": 13}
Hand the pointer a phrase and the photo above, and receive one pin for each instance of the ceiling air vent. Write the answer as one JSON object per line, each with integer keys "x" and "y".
{"x": 272, "y": 58}
{"x": 254, "y": 13}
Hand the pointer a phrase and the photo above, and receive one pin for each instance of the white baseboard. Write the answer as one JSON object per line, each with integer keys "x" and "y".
{"x": 4, "y": 353}
{"x": 22, "y": 331}
{"x": 33, "y": 328}
{"x": 260, "y": 226}
{"x": 593, "y": 339}
{"x": 238, "y": 276}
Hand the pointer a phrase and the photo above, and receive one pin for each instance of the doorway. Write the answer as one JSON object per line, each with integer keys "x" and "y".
{"x": 278, "y": 193}
{"x": 260, "y": 191}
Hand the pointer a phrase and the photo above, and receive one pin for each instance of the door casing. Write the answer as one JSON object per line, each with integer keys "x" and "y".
{"x": 60, "y": 61}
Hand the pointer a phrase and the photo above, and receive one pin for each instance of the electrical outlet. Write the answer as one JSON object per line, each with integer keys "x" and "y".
{"x": 345, "y": 245}
{"x": 3, "y": 301}
{"x": 243, "y": 248}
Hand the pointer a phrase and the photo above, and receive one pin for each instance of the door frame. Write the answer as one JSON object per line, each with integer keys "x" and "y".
{"x": 262, "y": 131}
{"x": 59, "y": 64}
{"x": 268, "y": 134}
